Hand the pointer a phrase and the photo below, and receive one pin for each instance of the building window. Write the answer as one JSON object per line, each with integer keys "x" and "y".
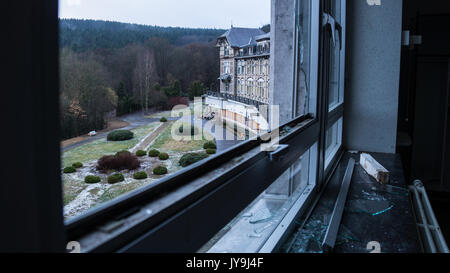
{"x": 260, "y": 88}
{"x": 226, "y": 68}
{"x": 227, "y": 51}
{"x": 250, "y": 90}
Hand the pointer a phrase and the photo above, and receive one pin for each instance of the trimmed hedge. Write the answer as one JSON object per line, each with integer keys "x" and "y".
{"x": 153, "y": 153}
{"x": 123, "y": 160}
{"x": 69, "y": 169}
{"x": 91, "y": 179}
{"x": 191, "y": 158}
{"x": 160, "y": 170}
{"x": 210, "y": 151}
{"x": 163, "y": 119}
{"x": 140, "y": 153}
{"x": 163, "y": 156}
{"x": 116, "y": 178}
{"x": 120, "y": 135}
{"x": 140, "y": 175}
{"x": 210, "y": 145}
{"x": 77, "y": 165}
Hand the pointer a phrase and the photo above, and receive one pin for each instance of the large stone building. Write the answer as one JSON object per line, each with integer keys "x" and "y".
{"x": 245, "y": 63}
{"x": 244, "y": 78}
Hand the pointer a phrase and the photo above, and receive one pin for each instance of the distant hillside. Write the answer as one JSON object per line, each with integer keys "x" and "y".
{"x": 84, "y": 35}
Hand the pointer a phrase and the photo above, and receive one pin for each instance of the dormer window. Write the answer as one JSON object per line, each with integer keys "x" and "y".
{"x": 227, "y": 51}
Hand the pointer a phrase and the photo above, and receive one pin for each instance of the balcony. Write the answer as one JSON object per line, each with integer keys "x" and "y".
{"x": 240, "y": 99}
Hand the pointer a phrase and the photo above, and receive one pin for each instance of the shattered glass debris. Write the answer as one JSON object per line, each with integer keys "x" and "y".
{"x": 367, "y": 206}
{"x": 262, "y": 215}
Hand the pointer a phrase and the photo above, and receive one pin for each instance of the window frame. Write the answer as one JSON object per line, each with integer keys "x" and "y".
{"x": 163, "y": 227}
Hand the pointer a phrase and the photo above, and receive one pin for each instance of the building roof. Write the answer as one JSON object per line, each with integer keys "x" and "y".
{"x": 265, "y": 36}
{"x": 239, "y": 37}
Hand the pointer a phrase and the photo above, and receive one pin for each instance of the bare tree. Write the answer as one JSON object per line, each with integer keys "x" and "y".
{"x": 145, "y": 76}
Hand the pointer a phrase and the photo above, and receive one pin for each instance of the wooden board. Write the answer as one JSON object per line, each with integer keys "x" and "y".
{"x": 374, "y": 169}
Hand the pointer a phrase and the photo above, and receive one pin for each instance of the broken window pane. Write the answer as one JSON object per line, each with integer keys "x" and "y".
{"x": 253, "y": 226}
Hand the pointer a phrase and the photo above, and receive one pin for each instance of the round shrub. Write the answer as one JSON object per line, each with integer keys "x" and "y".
{"x": 77, "y": 165}
{"x": 123, "y": 153}
{"x": 163, "y": 119}
{"x": 160, "y": 170}
{"x": 90, "y": 179}
{"x": 140, "y": 153}
{"x": 163, "y": 156}
{"x": 120, "y": 135}
{"x": 116, "y": 178}
{"x": 123, "y": 160}
{"x": 153, "y": 153}
{"x": 140, "y": 175}
{"x": 191, "y": 158}
{"x": 210, "y": 145}
{"x": 69, "y": 169}
{"x": 210, "y": 151}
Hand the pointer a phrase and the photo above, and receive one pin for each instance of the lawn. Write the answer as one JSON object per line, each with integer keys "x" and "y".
{"x": 166, "y": 143}
{"x": 79, "y": 196}
{"x": 101, "y": 147}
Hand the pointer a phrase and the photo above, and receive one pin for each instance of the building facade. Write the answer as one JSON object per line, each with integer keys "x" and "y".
{"x": 245, "y": 63}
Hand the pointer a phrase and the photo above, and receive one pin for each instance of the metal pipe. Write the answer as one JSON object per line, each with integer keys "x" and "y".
{"x": 429, "y": 239}
{"x": 431, "y": 216}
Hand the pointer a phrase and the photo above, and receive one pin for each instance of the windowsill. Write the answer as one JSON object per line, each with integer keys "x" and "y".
{"x": 393, "y": 228}
{"x": 242, "y": 236}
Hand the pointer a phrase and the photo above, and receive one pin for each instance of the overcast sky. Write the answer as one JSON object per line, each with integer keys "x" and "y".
{"x": 182, "y": 13}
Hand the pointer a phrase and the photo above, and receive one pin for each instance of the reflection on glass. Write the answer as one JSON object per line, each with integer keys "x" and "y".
{"x": 333, "y": 141}
{"x": 253, "y": 226}
{"x": 335, "y": 62}
{"x": 303, "y": 28}
{"x": 335, "y": 58}
{"x": 336, "y": 10}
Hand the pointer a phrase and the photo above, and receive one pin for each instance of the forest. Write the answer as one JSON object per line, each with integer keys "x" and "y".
{"x": 109, "y": 67}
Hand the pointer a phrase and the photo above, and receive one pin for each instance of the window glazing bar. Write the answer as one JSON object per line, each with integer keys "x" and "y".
{"x": 336, "y": 217}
